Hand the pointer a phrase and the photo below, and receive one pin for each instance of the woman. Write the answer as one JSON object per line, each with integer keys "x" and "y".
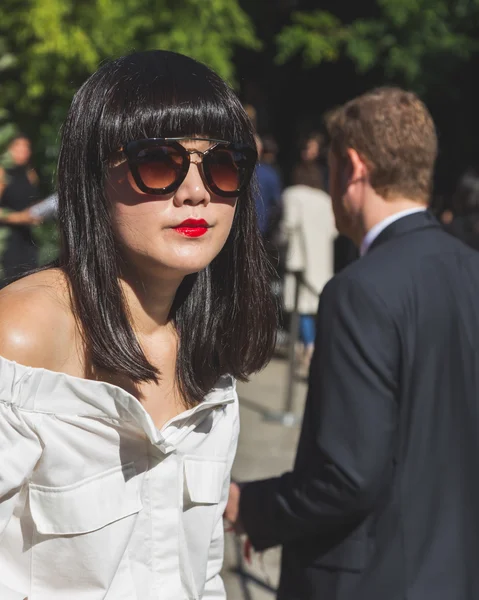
{"x": 20, "y": 191}
{"x": 119, "y": 416}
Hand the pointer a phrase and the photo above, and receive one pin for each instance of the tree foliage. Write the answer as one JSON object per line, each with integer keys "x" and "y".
{"x": 414, "y": 41}
{"x": 49, "y": 47}
{"x": 7, "y": 129}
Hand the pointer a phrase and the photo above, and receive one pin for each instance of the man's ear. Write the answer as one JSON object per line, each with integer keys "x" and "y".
{"x": 358, "y": 168}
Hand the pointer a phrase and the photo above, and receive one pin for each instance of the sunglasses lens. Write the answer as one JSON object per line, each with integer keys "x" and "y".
{"x": 159, "y": 166}
{"x": 225, "y": 169}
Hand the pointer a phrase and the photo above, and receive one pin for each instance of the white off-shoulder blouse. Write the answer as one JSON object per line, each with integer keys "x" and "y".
{"x": 96, "y": 503}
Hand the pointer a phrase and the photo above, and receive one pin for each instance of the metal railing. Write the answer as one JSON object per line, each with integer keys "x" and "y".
{"x": 287, "y": 417}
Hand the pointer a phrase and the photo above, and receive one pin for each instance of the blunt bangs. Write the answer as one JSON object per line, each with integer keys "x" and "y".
{"x": 163, "y": 94}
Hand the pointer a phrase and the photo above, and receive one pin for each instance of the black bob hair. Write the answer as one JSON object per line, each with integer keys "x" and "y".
{"x": 225, "y": 315}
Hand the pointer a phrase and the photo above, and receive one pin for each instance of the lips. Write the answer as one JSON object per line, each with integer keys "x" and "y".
{"x": 192, "y": 227}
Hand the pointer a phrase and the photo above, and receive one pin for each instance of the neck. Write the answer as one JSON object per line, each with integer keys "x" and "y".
{"x": 149, "y": 300}
{"x": 381, "y": 209}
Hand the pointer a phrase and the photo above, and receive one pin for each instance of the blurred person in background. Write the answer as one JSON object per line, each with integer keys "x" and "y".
{"x": 309, "y": 231}
{"x": 382, "y": 502}
{"x": 269, "y": 211}
{"x": 20, "y": 190}
{"x": 45, "y": 210}
{"x": 310, "y": 170}
{"x": 465, "y": 204}
{"x": 119, "y": 418}
{"x": 252, "y": 114}
{"x": 270, "y": 154}
{"x": 276, "y": 244}
{"x": 268, "y": 199}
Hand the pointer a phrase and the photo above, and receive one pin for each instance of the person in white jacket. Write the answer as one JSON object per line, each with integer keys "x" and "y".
{"x": 309, "y": 229}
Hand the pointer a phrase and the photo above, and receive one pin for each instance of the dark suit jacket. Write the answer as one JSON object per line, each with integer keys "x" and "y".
{"x": 344, "y": 251}
{"x": 383, "y": 501}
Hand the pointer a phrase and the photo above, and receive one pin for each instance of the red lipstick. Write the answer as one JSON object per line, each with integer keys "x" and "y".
{"x": 192, "y": 227}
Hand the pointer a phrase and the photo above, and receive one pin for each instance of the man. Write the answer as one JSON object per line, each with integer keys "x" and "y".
{"x": 383, "y": 500}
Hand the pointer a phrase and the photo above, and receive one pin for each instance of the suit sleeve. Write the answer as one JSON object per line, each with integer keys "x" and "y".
{"x": 346, "y": 445}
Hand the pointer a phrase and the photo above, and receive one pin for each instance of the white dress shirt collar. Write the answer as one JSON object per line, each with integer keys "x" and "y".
{"x": 373, "y": 233}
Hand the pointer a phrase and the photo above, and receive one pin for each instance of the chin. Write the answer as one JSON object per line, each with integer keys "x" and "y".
{"x": 175, "y": 260}
{"x": 193, "y": 257}
{"x": 189, "y": 268}
{"x": 182, "y": 266}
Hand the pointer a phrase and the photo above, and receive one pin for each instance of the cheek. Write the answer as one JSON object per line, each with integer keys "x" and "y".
{"x": 136, "y": 224}
{"x": 224, "y": 216}
{"x": 143, "y": 230}
{"x": 336, "y": 191}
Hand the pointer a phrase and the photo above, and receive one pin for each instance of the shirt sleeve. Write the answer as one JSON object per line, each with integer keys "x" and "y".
{"x": 46, "y": 209}
{"x": 20, "y": 450}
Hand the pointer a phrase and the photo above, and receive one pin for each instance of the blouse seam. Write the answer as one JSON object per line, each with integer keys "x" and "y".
{"x": 18, "y": 383}
{"x": 103, "y": 417}
{"x": 36, "y": 389}
{"x": 59, "y": 414}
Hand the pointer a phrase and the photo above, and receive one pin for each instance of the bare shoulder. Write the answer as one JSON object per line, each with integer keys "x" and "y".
{"x": 37, "y": 326}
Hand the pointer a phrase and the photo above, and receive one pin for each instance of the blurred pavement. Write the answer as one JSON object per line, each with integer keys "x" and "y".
{"x": 265, "y": 449}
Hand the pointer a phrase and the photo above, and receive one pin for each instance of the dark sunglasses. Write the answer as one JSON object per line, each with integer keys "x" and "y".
{"x": 160, "y": 165}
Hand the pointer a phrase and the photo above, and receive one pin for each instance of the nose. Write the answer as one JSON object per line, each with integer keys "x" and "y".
{"x": 192, "y": 191}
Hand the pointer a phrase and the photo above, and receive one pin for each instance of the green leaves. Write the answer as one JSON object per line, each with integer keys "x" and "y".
{"x": 319, "y": 36}
{"x": 409, "y": 37}
{"x": 208, "y": 31}
{"x": 59, "y": 42}
{"x": 49, "y": 47}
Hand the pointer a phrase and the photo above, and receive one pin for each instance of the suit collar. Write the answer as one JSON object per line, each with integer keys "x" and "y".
{"x": 404, "y": 225}
{"x": 373, "y": 233}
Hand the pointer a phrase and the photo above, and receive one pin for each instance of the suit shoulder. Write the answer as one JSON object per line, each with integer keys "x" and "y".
{"x": 36, "y": 322}
{"x": 350, "y": 283}
{"x": 395, "y": 268}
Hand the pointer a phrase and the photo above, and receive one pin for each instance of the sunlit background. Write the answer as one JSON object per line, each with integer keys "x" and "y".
{"x": 290, "y": 62}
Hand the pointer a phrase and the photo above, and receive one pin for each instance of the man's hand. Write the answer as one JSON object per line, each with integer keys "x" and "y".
{"x": 232, "y": 508}
{"x": 232, "y": 516}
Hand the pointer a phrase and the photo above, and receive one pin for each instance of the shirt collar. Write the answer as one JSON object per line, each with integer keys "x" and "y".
{"x": 373, "y": 233}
